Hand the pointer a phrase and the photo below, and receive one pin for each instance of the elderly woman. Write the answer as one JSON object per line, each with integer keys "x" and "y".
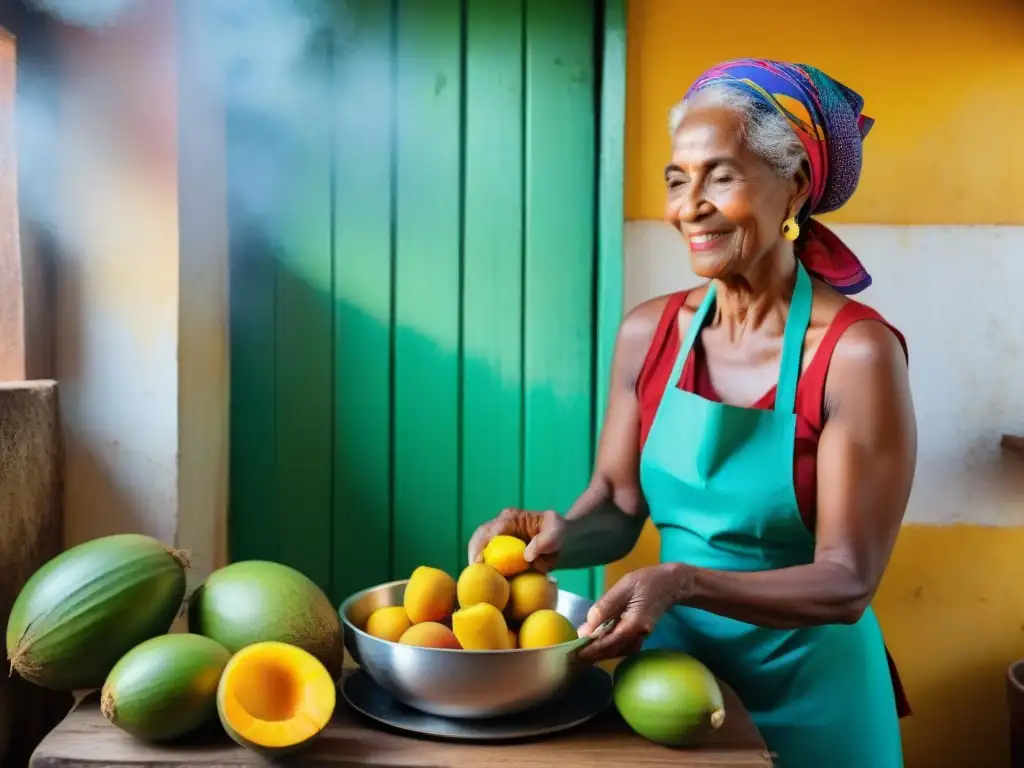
{"x": 764, "y": 422}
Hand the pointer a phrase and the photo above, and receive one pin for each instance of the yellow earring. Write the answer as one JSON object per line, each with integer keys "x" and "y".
{"x": 790, "y": 229}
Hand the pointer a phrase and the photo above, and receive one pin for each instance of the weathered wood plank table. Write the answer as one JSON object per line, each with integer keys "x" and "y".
{"x": 85, "y": 740}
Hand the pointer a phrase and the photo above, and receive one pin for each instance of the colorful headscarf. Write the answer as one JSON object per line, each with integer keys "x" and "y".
{"x": 827, "y": 117}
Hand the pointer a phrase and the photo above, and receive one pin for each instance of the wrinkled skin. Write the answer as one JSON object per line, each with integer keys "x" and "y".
{"x": 543, "y": 531}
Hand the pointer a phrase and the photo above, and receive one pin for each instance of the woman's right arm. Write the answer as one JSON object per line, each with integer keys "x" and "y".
{"x": 605, "y": 522}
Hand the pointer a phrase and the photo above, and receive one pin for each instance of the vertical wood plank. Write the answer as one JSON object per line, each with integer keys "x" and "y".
{"x": 305, "y": 328}
{"x": 493, "y": 242}
{"x": 560, "y": 203}
{"x": 363, "y": 96}
{"x": 427, "y": 289}
{"x": 252, "y": 502}
{"x": 611, "y": 162}
{"x": 351, "y": 404}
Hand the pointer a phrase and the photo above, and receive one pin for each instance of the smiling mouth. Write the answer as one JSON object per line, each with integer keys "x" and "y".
{"x": 707, "y": 240}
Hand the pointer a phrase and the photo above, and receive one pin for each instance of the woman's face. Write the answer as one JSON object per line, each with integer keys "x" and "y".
{"x": 727, "y": 202}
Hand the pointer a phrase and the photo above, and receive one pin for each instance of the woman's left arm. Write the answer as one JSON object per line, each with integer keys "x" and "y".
{"x": 866, "y": 459}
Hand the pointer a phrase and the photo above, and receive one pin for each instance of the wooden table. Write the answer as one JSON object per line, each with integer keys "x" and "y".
{"x": 86, "y": 740}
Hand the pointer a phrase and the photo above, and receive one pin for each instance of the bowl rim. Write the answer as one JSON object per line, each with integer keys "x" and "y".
{"x": 356, "y": 596}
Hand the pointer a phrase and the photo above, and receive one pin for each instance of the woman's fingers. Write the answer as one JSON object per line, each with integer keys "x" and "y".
{"x": 543, "y": 563}
{"x": 502, "y": 524}
{"x": 627, "y": 636}
{"x": 635, "y": 647}
{"x": 477, "y": 542}
{"x": 632, "y": 626}
{"x": 539, "y": 530}
{"x": 611, "y": 605}
{"x": 544, "y": 544}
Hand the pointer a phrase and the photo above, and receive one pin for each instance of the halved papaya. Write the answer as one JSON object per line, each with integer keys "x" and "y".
{"x": 275, "y": 698}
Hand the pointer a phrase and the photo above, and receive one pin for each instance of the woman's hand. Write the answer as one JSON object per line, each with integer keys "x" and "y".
{"x": 542, "y": 531}
{"x": 639, "y": 599}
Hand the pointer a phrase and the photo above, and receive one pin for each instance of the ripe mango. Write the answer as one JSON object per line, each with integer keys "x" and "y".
{"x": 513, "y": 641}
{"x": 480, "y": 583}
{"x": 531, "y": 592}
{"x": 388, "y": 623}
{"x": 430, "y": 634}
{"x": 481, "y": 627}
{"x": 506, "y": 555}
{"x": 429, "y": 595}
{"x": 545, "y": 628}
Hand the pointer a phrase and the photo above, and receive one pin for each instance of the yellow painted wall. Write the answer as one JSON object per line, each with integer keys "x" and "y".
{"x": 946, "y": 150}
{"x": 943, "y": 79}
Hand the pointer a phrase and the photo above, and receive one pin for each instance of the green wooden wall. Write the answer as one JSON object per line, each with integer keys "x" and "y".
{"x": 426, "y": 282}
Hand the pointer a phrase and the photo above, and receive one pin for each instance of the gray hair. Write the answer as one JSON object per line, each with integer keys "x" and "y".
{"x": 767, "y": 133}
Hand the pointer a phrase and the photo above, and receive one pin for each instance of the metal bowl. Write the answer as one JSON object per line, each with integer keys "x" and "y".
{"x": 459, "y": 683}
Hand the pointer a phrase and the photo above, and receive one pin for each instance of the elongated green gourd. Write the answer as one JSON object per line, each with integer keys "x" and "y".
{"x": 87, "y": 607}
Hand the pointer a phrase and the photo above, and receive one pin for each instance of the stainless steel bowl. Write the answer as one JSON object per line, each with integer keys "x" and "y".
{"x": 457, "y": 683}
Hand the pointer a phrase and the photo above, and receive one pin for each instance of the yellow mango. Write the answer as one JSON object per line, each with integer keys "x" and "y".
{"x": 506, "y": 555}
{"x": 480, "y": 583}
{"x": 531, "y": 592}
{"x": 545, "y": 628}
{"x": 273, "y": 698}
{"x": 388, "y": 623}
{"x": 430, "y": 634}
{"x": 513, "y": 641}
{"x": 429, "y": 595}
{"x": 481, "y": 627}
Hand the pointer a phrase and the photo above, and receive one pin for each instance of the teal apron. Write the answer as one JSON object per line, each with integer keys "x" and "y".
{"x": 719, "y": 483}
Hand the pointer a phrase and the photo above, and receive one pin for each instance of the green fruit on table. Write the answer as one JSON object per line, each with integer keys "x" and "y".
{"x": 166, "y": 687}
{"x": 87, "y": 607}
{"x": 668, "y": 697}
{"x": 255, "y": 601}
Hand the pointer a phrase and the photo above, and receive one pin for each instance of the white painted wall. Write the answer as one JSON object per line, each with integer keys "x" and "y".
{"x": 954, "y": 291}
{"x": 141, "y": 274}
{"x": 116, "y": 329}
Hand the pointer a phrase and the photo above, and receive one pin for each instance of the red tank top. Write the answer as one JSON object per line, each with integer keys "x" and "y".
{"x": 810, "y": 403}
